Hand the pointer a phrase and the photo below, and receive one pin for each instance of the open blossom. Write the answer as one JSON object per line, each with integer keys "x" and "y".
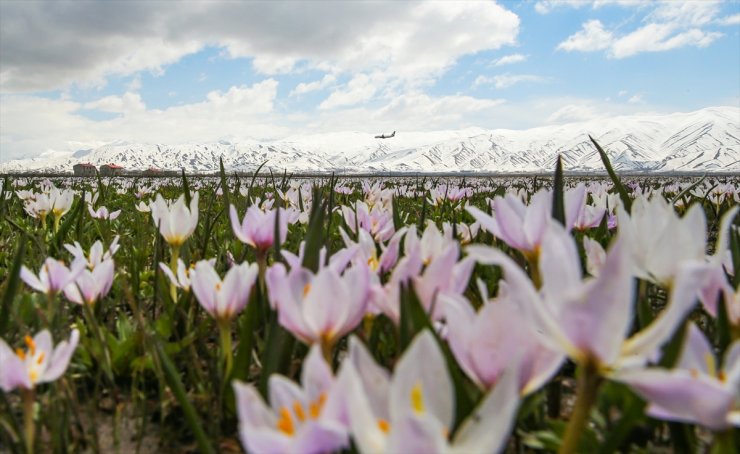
{"x": 300, "y": 419}
{"x": 487, "y": 342}
{"x": 377, "y": 221}
{"x": 176, "y": 221}
{"x": 257, "y": 229}
{"x": 39, "y": 363}
{"x": 182, "y": 278}
{"x": 53, "y": 276}
{"x": 413, "y": 410}
{"x": 223, "y": 299}
{"x": 697, "y": 391}
{"x": 61, "y": 201}
{"x": 96, "y": 255}
{"x": 443, "y": 276}
{"x": 590, "y": 320}
{"x": 661, "y": 242}
{"x": 321, "y": 307}
{"x": 91, "y": 284}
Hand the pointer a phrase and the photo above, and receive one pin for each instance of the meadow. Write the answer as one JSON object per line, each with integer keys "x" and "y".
{"x": 420, "y": 314}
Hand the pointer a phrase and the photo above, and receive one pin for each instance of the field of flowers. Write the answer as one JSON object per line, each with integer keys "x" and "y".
{"x": 415, "y": 315}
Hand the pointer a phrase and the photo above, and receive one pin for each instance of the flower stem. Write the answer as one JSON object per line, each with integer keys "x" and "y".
{"x": 586, "y": 392}
{"x": 29, "y": 427}
{"x": 224, "y": 328}
{"x": 724, "y": 443}
{"x": 173, "y": 267}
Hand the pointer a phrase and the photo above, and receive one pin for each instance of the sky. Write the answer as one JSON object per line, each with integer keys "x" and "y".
{"x": 79, "y": 74}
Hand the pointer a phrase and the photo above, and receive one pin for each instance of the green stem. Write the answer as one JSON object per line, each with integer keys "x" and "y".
{"x": 586, "y": 392}
{"x": 29, "y": 427}
{"x": 173, "y": 267}
{"x": 724, "y": 443}
{"x": 224, "y": 328}
{"x": 56, "y": 224}
{"x": 106, "y": 363}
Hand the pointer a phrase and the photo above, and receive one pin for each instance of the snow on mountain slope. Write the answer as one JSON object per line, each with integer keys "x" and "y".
{"x": 704, "y": 140}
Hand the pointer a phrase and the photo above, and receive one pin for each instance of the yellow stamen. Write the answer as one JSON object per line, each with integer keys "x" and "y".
{"x": 384, "y": 425}
{"x": 372, "y": 262}
{"x": 31, "y": 344}
{"x": 40, "y": 359}
{"x": 285, "y": 423}
{"x": 218, "y": 286}
{"x": 306, "y": 289}
{"x": 417, "y": 398}
{"x": 20, "y": 353}
{"x": 298, "y": 410}
{"x": 711, "y": 364}
{"x": 314, "y": 410}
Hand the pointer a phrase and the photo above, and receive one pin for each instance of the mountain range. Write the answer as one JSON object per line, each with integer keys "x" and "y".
{"x": 706, "y": 140}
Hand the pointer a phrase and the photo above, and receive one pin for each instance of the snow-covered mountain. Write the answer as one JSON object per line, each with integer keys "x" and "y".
{"x": 705, "y": 140}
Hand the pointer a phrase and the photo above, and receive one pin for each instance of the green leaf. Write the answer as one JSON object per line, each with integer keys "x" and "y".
{"x": 251, "y": 184}
{"x": 623, "y": 194}
{"x": 687, "y": 190}
{"x": 314, "y": 235}
{"x": 558, "y": 203}
{"x": 224, "y": 182}
{"x": 11, "y": 287}
{"x": 172, "y": 377}
{"x": 186, "y": 187}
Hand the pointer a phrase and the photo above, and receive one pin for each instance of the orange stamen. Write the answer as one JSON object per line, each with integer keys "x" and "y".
{"x": 314, "y": 409}
{"x": 384, "y": 425}
{"x": 298, "y": 410}
{"x": 285, "y": 423}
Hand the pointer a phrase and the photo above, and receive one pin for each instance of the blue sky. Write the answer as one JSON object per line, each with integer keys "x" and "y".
{"x": 76, "y": 75}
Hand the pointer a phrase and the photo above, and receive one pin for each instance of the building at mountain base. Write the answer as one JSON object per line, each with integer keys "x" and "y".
{"x": 84, "y": 170}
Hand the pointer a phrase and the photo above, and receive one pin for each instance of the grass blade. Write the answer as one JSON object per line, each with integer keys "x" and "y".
{"x": 623, "y": 194}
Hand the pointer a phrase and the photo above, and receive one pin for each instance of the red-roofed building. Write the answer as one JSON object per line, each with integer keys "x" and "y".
{"x": 84, "y": 169}
{"x": 110, "y": 170}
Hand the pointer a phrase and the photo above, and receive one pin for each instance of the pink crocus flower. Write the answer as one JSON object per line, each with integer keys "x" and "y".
{"x": 96, "y": 254}
{"x": 300, "y": 419}
{"x": 523, "y": 227}
{"x": 182, "y": 279}
{"x": 53, "y": 276}
{"x": 257, "y": 229}
{"x": 367, "y": 250}
{"x": 176, "y": 221}
{"x": 487, "y": 342}
{"x": 697, "y": 391}
{"x": 223, "y": 299}
{"x": 443, "y": 276}
{"x": 590, "y": 320}
{"x": 103, "y": 213}
{"x": 321, "y": 307}
{"x": 91, "y": 284}
{"x": 39, "y": 363}
{"x": 412, "y": 411}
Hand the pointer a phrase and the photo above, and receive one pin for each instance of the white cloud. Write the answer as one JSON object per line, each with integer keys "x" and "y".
{"x": 307, "y": 87}
{"x": 510, "y": 59}
{"x": 591, "y": 37}
{"x": 660, "y": 37}
{"x": 729, "y": 20}
{"x": 573, "y": 113}
{"x": 690, "y": 13}
{"x": 506, "y": 80}
{"x": 128, "y": 103}
{"x": 635, "y": 99}
{"x": 360, "y": 89}
{"x": 48, "y": 45}
{"x": 31, "y": 123}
